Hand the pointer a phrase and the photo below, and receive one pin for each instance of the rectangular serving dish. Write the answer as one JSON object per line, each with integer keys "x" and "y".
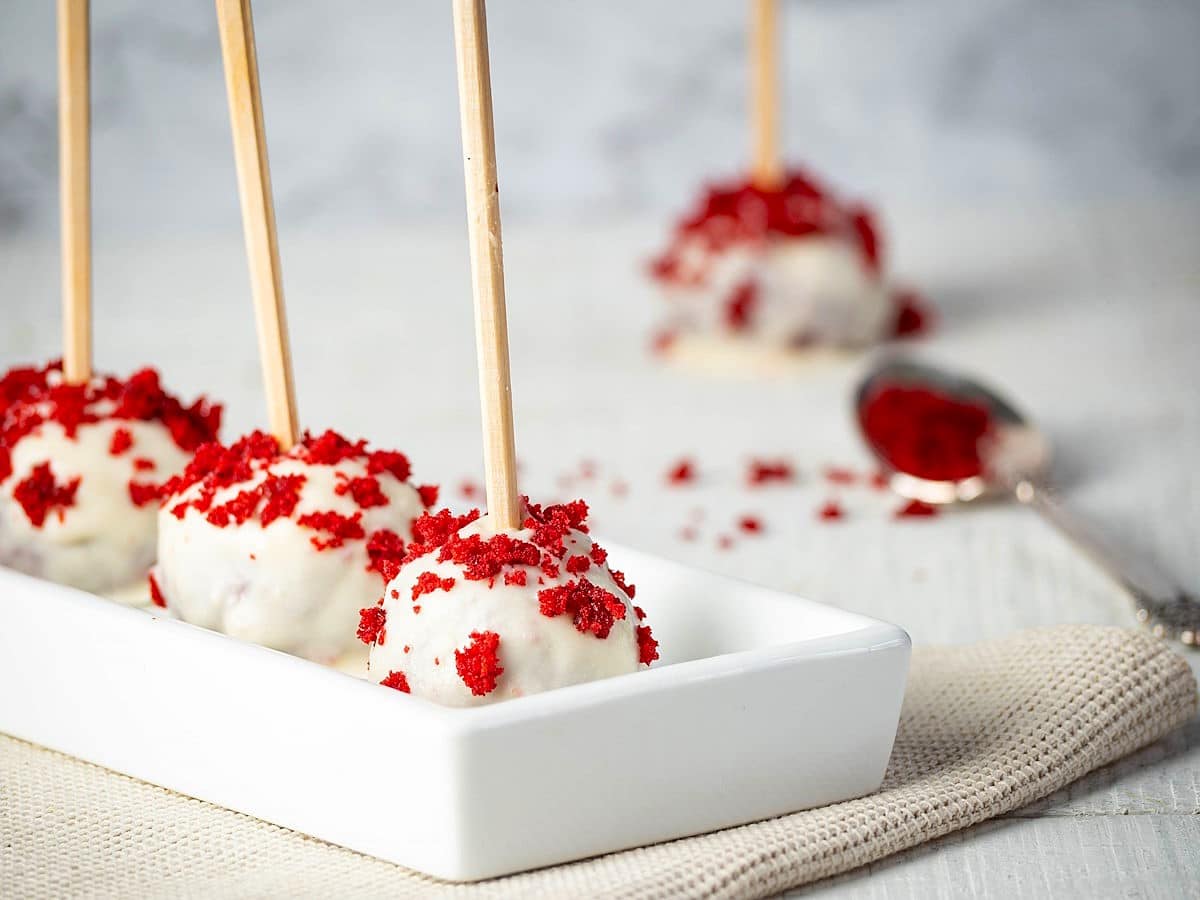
{"x": 763, "y": 704}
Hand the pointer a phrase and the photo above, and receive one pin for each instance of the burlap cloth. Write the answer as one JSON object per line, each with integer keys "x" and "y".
{"x": 985, "y": 729}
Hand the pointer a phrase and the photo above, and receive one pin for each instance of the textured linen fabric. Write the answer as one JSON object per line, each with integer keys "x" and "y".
{"x": 985, "y": 729}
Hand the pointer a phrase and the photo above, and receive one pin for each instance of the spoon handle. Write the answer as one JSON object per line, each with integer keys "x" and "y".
{"x": 1160, "y": 602}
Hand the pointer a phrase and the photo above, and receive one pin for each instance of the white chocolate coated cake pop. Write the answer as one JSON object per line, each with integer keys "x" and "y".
{"x": 283, "y": 549}
{"x": 80, "y": 471}
{"x": 784, "y": 269}
{"x": 475, "y": 616}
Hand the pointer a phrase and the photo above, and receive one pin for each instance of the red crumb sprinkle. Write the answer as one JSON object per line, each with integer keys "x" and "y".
{"x": 40, "y": 495}
{"x": 740, "y": 307}
{"x": 484, "y": 559}
{"x": 598, "y": 554}
{"x": 913, "y": 315}
{"x": 840, "y": 475}
{"x": 647, "y": 645}
{"x": 392, "y": 461}
{"x": 592, "y": 609}
{"x": 688, "y": 533}
{"x": 662, "y": 341}
{"x": 763, "y": 471}
{"x": 385, "y": 553}
{"x": 469, "y": 490}
{"x": 517, "y": 576}
{"x": 142, "y": 464}
{"x": 397, "y": 681}
{"x": 142, "y": 494}
{"x": 724, "y": 542}
{"x": 588, "y": 469}
{"x": 364, "y": 490}
{"x": 619, "y": 488}
{"x": 339, "y": 528}
{"x": 683, "y": 472}
{"x": 619, "y": 578}
{"x": 371, "y": 622}
{"x": 429, "y": 495}
{"x": 915, "y": 509}
{"x": 750, "y": 524}
{"x": 478, "y": 663}
{"x": 30, "y": 397}
{"x": 577, "y": 565}
{"x": 122, "y": 440}
{"x": 740, "y": 213}
{"x": 550, "y": 525}
{"x": 156, "y": 595}
{"x": 428, "y": 582}
{"x": 831, "y": 511}
{"x": 432, "y": 530}
{"x": 880, "y": 481}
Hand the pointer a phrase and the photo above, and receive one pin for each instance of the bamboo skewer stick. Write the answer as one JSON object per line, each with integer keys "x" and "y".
{"x": 487, "y": 262}
{"x": 766, "y": 168}
{"x": 236, "y": 28}
{"x": 75, "y": 188}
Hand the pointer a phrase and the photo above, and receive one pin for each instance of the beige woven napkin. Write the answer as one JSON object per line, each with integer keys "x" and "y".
{"x": 985, "y": 729}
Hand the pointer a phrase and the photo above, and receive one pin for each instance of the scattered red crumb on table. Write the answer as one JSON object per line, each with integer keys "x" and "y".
{"x": 915, "y": 509}
{"x": 830, "y": 511}
{"x": 913, "y": 315}
{"x": 469, "y": 490}
{"x": 750, "y": 524}
{"x": 724, "y": 542}
{"x": 840, "y": 475}
{"x": 683, "y": 472}
{"x": 881, "y": 480}
{"x": 688, "y": 533}
{"x": 478, "y": 663}
{"x": 619, "y": 488}
{"x": 762, "y": 471}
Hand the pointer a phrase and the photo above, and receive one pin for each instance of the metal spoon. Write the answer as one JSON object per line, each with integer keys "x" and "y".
{"x": 1016, "y": 463}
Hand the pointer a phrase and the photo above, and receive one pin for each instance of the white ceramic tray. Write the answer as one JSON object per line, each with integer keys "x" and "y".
{"x": 763, "y": 704}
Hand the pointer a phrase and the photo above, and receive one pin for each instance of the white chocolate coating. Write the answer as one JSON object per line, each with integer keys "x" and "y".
{"x": 815, "y": 290}
{"x": 270, "y": 584}
{"x": 103, "y": 541}
{"x": 537, "y": 652}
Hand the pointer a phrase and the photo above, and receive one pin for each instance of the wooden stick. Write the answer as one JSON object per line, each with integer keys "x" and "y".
{"x": 236, "y": 28}
{"x": 487, "y": 262}
{"x": 766, "y": 169}
{"x": 75, "y": 188}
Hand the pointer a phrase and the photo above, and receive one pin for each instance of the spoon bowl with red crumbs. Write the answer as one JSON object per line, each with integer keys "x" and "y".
{"x": 81, "y": 468}
{"x": 943, "y": 438}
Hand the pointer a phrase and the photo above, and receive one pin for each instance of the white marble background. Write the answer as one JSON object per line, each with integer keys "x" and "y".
{"x": 608, "y": 109}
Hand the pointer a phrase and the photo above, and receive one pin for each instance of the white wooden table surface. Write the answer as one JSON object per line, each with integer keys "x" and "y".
{"x": 1090, "y": 318}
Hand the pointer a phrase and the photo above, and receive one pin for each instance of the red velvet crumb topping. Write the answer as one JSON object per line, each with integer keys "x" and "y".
{"x": 122, "y": 440}
{"x": 371, "y": 622}
{"x": 591, "y": 608}
{"x": 478, "y": 664}
{"x": 365, "y": 490}
{"x": 741, "y": 213}
{"x": 647, "y": 645}
{"x": 750, "y": 524}
{"x": 397, "y": 681}
{"x": 334, "y": 528}
{"x": 39, "y": 495}
{"x": 156, "y": 595}
{"x": 428, "y": 582}
{"x": 385, "y": 553}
